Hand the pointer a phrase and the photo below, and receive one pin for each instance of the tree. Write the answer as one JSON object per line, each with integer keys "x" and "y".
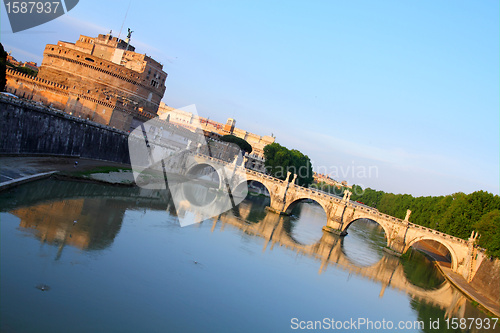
{"x": 26, "y": 70}
{"x": 243, "y": 144}
{"x": 489, "y": 230}
{"x": 3, "y": 68}
{"x": 280, "y": 160}
{"x": 457, "y": 214}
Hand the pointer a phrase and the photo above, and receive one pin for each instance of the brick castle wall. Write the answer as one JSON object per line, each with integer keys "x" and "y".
{"x": 72, "y": 101}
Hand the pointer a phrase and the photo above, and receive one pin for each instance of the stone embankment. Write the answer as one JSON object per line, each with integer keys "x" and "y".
{"x": 484, "y": 287}
{"x": 27, "y": 129}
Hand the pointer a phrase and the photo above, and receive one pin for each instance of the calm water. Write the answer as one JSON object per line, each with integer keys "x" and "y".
{"x": 79, "y": 257}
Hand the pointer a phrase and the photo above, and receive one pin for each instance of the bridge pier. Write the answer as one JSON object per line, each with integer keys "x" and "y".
{"x": 278, "y": 197}
{"x": 335, "y": 223}
{"x": 278, "y": 203}
{"x": 339, "y": 216}
{"x": 397, "y": 246}
{"x": 334, "y": 230}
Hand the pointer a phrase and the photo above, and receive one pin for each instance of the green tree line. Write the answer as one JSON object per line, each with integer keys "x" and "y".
{"x": 457, "y": 214}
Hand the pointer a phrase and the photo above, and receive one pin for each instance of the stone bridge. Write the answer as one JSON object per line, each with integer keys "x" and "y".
{"x": 341, "y": 212}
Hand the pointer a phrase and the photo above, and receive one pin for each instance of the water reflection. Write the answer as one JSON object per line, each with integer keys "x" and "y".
{"x": 87, "y": 216}
{"x": 306, "y": 222}
{"x": 251, "y": 209}
{"x": 48, "y": 209}
{"x": 87, "y": 224}
{"x": 384, "y": 268}
{"x": 420, "y": 271}
{"x": 364, "y": 242}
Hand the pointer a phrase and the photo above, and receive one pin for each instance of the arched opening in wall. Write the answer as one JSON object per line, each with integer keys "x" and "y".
{"x": 255, "y": 189}
{"x": 252, "y": 208}
{"x": 433, "y": 249}
{"x": 365, "y": 242}
{"x": 305, "y": 221}
{"x": 418, "y": 262}
{"x": 204, "y": 173}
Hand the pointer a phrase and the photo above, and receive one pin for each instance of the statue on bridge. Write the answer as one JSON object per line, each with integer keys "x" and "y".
{"x": 347, "y": 196}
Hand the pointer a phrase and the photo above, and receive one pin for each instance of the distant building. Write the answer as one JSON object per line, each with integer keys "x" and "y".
{"x": 99, "y": 78}
{"x": 12, "y": 60}
{"x": 31, "y": 65}
{"x": 322, "y": 178}
{"x": 215, "y": 130}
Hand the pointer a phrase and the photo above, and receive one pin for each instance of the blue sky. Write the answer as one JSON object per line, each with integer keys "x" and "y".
{"x": 394, "y": 95}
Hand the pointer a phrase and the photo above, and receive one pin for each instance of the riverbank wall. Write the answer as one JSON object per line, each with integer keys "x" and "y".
{"x": 484, "y": 287}
{"x": 487, "y": 278}
{"x": 28, "y": 129}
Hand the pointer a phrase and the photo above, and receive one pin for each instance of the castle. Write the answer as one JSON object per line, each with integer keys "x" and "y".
{"x": 99, "y": 78}
{"x": 104, "y": 80}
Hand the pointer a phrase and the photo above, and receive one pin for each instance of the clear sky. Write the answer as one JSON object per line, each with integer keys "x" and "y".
{"x": 400, "y": 96}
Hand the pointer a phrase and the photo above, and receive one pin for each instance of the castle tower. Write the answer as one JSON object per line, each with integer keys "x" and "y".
{"x": 109, "y": 82}
{"x": 229, "y": 127}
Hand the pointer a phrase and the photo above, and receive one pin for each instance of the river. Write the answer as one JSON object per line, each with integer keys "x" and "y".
{"x": 84, "y": 257}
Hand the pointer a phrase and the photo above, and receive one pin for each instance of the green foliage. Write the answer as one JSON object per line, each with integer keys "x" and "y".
{"x": 457, "y": 214}
{"x": 77, "y": 172}
{"x": 332, "y": 189}
{"x": 489, "y": 229}
{"x": 3, "y": 68}
{"x": 243, "y": 144}
{"x": 26, "y": 70}
{"x": 420, "y": 271}
{"x": 280, "y": 160}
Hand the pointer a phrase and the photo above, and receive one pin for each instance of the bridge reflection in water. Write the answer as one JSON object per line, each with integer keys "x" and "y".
{"x": 89, "y": 217}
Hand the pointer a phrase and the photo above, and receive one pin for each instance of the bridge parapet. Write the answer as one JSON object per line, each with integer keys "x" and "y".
{"x": 438, "y": 233}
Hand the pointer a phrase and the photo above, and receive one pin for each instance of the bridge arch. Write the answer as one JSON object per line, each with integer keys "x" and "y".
{"x": 384, "y": 227}
{"x": 199, "y": 167}
{"x": 252, "y": 180}
{"x": 454, "y": 260}
{"x": 198, "y": 195}
{"x": 266, "y": 181}
{"x": 288, "y": 209}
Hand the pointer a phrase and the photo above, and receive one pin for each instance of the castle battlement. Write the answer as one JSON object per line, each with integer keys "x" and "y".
{"x": 97, "y": 78}
{"x": 25, "y": 76}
